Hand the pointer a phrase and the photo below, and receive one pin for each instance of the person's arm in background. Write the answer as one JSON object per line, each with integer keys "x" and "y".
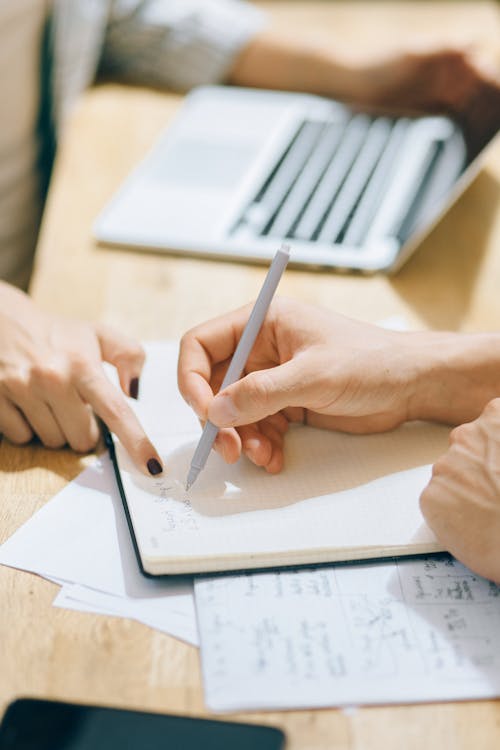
{"x": 424, "y": 76}
{"x": 52, "y": 383}
{"x": 309, "y": 365}
{"x": 182, "y": 43}
{"x": 419, "y": 78}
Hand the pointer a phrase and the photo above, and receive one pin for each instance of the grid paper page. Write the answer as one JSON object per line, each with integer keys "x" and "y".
{"x": 392, "y": 632}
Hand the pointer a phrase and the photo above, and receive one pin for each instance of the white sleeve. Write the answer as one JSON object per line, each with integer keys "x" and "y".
{"x": 177, "y": 43}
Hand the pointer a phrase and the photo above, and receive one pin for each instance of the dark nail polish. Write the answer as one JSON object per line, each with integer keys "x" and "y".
{"x": 133, "y": 388}
{"x": 154, "y": 467}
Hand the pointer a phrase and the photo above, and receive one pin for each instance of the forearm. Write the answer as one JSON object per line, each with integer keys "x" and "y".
{"x": 275, "y": 61}
{"x": 456, "y": 375}
{"x": 417, "y": 78}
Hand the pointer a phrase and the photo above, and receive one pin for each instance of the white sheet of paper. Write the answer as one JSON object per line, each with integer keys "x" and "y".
{"x": 81, "y": 537}
{"x": 174, "y": 615}
{"x": 414, "y": 630}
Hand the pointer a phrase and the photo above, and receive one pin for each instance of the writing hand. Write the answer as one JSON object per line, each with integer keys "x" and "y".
{"x": 310, "y": 365}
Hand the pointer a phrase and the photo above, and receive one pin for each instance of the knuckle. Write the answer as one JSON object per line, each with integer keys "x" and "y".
{"x": 132, "y": 351}
{"x": 430, "y": 498}
{"x": 115, "y": 410}
{"x": 19, "y": 436}
{"x": 86, "y": 438}
{"x": 424, "y": 500}
{"x": 427, "y": 501}
{"x": 54, "y": 442}
{"x": 137, "y": 351}
{"x": 16, "y": 384}
{"x": 460, "y": 434}
{"x": 87, "y": 377}
{"x": 492, "y": 408}
{"x": 258, "y": 389}
{"x": 186, "y": 341}
{"x": 79, "y": 365}
{"x": 440, "y": 466}
{"x": 184, "y": 338}
{"x": 83, "y": 443}
{"x": 50, "y": 376}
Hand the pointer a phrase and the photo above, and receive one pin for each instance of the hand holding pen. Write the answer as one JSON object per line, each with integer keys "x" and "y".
{"x": 241, "y": 355}
{"x": 313, "y": 366}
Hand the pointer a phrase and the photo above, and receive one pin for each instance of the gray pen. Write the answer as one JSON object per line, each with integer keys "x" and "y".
{"x": 241, "y": 355}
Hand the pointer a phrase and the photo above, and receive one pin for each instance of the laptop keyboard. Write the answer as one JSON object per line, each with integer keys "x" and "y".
{"x": 331, "y": 182}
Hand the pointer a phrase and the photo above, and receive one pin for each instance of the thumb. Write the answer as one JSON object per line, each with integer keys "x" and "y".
{"x": 258, "y": 395}
{"x": 125, "y": 354}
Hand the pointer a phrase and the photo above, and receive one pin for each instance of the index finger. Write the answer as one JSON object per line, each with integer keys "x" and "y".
{"x": 201, "y": 349}
{"x": 110, "y": 405}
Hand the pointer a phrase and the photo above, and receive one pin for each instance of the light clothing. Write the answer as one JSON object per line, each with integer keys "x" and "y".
{"x": 170, "y": 43}
{"x": 21, "y": 25}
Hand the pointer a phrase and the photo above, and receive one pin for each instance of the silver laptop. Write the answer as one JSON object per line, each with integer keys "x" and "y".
{"x": 239, "y": 170}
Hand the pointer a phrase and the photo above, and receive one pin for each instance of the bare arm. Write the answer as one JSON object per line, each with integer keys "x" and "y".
{"x": 417, "y": 79}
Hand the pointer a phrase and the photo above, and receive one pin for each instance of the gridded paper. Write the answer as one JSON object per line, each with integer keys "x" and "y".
{"x": 403, "y": 631}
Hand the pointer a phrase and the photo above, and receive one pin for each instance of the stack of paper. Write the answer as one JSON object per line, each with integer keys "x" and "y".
{"x": 81, "y": 540}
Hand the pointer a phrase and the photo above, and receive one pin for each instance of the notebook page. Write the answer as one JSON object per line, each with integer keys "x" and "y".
{"x": 336, "y": 492}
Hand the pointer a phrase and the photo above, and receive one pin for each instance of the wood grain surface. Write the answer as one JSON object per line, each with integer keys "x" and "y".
{"x": 451, "y": 282}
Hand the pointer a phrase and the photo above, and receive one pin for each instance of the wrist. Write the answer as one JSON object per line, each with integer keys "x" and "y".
{"x": 454, "y": 375}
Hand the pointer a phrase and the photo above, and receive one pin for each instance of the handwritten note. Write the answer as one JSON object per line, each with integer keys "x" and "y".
{"x": 322, "y": 508}
{"x": 413, "y": 630}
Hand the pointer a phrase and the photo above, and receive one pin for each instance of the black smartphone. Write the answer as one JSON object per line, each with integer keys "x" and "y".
{"x": 30, "y": 724}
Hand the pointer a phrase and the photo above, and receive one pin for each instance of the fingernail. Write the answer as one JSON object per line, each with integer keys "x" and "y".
{"x": 133, "y": 388}
{"x": 223, "y": 411}
{"x": 154, "y": 467}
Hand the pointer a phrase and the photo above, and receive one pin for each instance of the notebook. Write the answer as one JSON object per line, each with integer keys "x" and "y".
{"x": 240, "y": 170}
{"x": 340, "y": 497}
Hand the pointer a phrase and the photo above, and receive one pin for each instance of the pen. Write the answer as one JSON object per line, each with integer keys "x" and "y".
{"x": 241, "y": 355}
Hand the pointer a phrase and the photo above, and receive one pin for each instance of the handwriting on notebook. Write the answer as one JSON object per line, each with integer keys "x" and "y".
{"x": 326, "y": 505}
{"x": 319, "y": 466}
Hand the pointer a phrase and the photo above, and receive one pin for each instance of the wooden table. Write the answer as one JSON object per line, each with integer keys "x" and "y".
{"x": 451, "y": 282}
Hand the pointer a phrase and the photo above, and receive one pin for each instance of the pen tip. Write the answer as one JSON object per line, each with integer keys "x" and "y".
{"x": 191, "y": 478}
